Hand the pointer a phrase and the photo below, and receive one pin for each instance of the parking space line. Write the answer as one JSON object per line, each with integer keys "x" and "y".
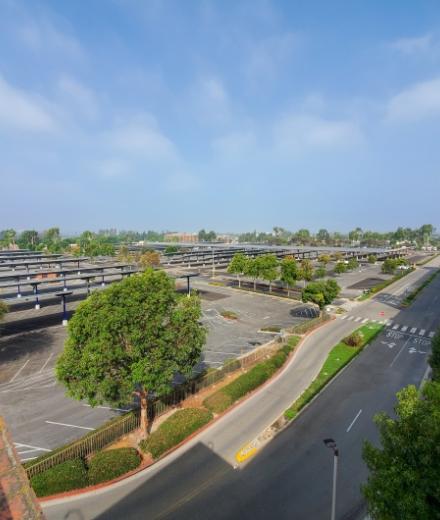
{"x": 432, "y": 334}
{"x": 20, "y": 445}
{"x": 69, "y": 425}
{"x": 109, "y": 408}
{"x": 28, "y": 458}
{"x": 422, "y": 332}
{"x": 45, "y": 364}
{"x": 354, "y": 420}
{"x": 19, "y": 371}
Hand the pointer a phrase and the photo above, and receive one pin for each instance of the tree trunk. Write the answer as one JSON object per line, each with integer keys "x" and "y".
{"x": 255, "y": 284}
{"x": 143, "y": 395}
{"x": 239, "y": 281}
{"x": 270, "y": 287}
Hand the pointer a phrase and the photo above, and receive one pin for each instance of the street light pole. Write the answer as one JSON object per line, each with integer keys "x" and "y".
{"x": 330, "y": 443}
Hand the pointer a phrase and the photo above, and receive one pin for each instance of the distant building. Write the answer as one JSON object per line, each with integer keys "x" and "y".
{"x": 181, "y": 237}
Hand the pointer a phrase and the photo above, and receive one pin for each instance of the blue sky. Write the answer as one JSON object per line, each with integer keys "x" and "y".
{"x": 232, "y": 115}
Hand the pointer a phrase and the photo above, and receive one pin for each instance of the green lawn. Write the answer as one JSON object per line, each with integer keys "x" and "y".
{"x": 338, "y": 357}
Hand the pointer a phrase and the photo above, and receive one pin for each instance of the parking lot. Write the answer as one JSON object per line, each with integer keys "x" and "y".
{"x": 41, "y": 417}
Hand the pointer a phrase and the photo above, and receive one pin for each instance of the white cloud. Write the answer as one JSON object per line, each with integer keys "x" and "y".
{"x": 23, "y": 111}
{"x": 419, "y": 101}
{"x": 82, "y": 97}
{"x": 305, "y": 133}
{"x": 40, "y": 35}
{"x": 266, "y": 56}
{"x": 209, "y": 102}
{"x": 234, "y": 144}
{"x": 142, "y": 137}
{"x": 411, "y": 46}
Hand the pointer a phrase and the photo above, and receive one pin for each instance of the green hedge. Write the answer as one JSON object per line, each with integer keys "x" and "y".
{"x": 174, "y": 430}
{"x": 413, "y": 295}
{"x": 107, "y": 465}
{"x": 71, "y": 474}
{"x": 223, "y": 398}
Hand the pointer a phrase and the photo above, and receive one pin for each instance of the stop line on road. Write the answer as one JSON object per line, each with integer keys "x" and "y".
{"x": 392, "y": 325}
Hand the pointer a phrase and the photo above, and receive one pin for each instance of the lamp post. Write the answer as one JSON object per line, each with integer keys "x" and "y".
{"x": 37, "y": 301}
{"x": 331, "y": 444}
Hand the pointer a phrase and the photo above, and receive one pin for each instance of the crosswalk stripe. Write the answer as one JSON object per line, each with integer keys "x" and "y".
{"x": 396, "y": 326}
{"x": 374, "y": 321}
{"x": 413, "y": 330}
{"x": 382, "y": 322}
{"x": 432, "y": 334}
{"x": 365, "y": 320}
{"x": 389, "y": 323}
{"x": 422, "y": 332}
{"x": 404, "y": 328}
{"x": 358, "y": 319}
{"x": 350, "y": 318}
{"x": 343, "y": 317}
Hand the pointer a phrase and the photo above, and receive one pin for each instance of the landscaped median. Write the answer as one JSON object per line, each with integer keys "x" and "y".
{"x": 383, "y": 285}
{"x": 338, "y": 357}
{"x": 413, "y": 295}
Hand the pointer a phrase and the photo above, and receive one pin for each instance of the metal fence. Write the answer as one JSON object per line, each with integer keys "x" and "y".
{"x": 87, "y": 445}
{"x": 304, "y": 327}
{"x": 120, "y": 426}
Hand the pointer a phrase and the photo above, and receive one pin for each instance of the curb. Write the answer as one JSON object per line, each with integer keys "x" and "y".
{"x": 142, "y": 467}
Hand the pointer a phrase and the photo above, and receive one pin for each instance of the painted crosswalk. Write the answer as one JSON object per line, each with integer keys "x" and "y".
{"x": 397, "y": 327}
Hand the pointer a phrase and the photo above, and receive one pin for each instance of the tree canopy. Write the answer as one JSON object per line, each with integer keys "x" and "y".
{"x": 405, "y": 471}
{"x": 132, "y": 337}
{"x": 322, "y": 292}
{"x": 238, "y": 265}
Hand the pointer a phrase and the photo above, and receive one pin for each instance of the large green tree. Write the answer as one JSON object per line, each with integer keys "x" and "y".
{"x": 237, "y": 266}
{"x": 405, "y": 471}
{"x": 132, "y": 337}
{"x": 434, "y": 359}
{"x": 268, "y": 268}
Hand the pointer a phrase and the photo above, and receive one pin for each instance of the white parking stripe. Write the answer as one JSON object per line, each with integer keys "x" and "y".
{"x": 422, "y": 332}
{"x": 69, "y": 425}
{"x": 396, "y": 326}
{"x": 19, "y": 371}
{"x": 45, "y": 364}
{"x": 404, "y": 328}
{"x": 432, "y": 334}
{"x": 413, "y": 330}
{"x": 20, "y": 445}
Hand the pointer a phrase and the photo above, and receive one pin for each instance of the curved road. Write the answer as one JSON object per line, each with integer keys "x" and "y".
{"x": 291, "y": 477}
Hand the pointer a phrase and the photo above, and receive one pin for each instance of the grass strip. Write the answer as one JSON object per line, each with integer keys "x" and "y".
{"x": 423, "y": 262}
{"x": 338, "y": 357}
{"x": 413, "y": 295}
{"x": 225, "y": 397}
{"x": 174, "y": 430}
{"x": 380, "y": 286}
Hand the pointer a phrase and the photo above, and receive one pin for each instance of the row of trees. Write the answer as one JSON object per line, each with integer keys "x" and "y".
{"x": 207, "y": 236}
{"x": 390, "y": 265}
{"x": 405, "y": 471}
{"x": 144, "y": 258}
{"x": 357, "y": 237}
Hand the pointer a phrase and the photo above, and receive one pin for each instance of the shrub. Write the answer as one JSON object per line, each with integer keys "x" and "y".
{"x": 223, "y": 398}
{"x": 355, "y": 339}
{"x": 69, "y": 475}
{"x": 174, "y": 430}
{"x": 321, "y": 293}
{"x": 107, "y": 465}
{"x": 230, "y": 315}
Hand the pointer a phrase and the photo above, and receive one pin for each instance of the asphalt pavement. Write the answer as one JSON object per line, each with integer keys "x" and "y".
{"x": 291, "y": 477}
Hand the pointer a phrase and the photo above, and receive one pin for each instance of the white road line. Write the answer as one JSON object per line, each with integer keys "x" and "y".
{"x": 27, "y": 451}
{"x": 396, "y": 326}
{"x": 19, "y": 371}
{"x": 413, "y": 330}
{"x": 431, "y": 334}
{"x": 389, "y": 323}
{"x": 382, "y": 322}
{"x": 404, "y": 328}
{"x": 19, "y": 445}
{"x": 400, "y": 351}
{"x": 69, "y": 425}
{"x": 422, "y": 332}
{"x": 343, "y": 317}
{"x": 354, "y": 420}
{"x": 28, "y": 458}
{"x": 373, "y": 321}
{"x": 109, "y": 408}
{"x": 45, "y": 364}
{"x": 350, "y": 318}
{"x": 365, "y": 320}
{"x": 358, "y": 319}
